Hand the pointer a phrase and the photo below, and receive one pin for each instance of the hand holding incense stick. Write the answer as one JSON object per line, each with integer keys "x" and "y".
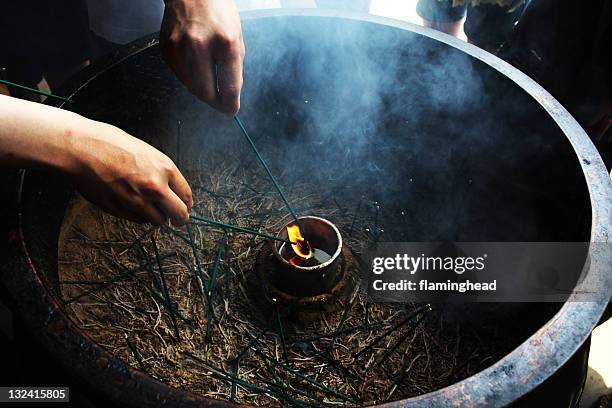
{"x": 121, "y": 174}
{"x": 201, "y": 40}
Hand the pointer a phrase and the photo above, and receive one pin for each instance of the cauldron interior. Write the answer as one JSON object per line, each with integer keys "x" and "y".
{"x": 447, "y": 147}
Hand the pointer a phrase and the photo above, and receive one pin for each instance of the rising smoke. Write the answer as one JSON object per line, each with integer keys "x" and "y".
{"x": 403, "y": 121}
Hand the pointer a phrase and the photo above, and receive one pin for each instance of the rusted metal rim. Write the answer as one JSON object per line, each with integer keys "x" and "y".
{"x": 504, "y": 382}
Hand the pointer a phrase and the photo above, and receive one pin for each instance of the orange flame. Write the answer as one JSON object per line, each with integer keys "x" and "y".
{"x": 300, "y": 246}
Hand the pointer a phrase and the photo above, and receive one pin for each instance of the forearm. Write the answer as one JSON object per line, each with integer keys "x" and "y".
{"x": 123, "y": 175}
{"x": 33, "y": 134}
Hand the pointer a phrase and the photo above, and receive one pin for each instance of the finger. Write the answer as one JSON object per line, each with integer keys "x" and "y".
{"x": 180, "y": 186}
{"x": 153, "y": 214}
{"x": 137, "y": 218}
{"x": 171, "y": 205}
{"x": 204, "y": 78}
{"x": 131, "y": 216}
{"x": 182, "y": 67}
{"x": 229, "y": 78}
{"x": 117, "y": 208}
{"x": 193, "y": 67}
{"x": 172, "y": 50}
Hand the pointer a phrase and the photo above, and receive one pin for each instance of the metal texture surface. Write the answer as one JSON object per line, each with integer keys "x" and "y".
{"x": 503, "y": 383}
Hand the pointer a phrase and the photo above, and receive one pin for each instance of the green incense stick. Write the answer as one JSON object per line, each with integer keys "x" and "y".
{"x": 267, "y": 169}
{"x": 34, "y": 90}
{"x": 237, "y": 228}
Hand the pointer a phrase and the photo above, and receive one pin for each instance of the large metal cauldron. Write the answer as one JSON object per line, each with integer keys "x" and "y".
{"x": 471, "y": 147}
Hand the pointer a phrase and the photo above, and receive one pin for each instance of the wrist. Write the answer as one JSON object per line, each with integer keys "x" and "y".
{"x": 76, "y": 145}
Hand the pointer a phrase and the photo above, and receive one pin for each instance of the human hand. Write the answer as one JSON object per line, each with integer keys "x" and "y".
{"x": 121, "y": 174}
{"x": 202, "y": 42}
{"x": 127, "y": 177}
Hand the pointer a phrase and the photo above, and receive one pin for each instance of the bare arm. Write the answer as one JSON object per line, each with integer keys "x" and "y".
{"x": 123, "y": 175}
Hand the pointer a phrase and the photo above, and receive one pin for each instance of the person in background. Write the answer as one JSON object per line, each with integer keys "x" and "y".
{"x": 565, "y": 46}
{"x": 114, "y": 23}
{"x": 485, "y": 23}
{"x": 562, "y": 44}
